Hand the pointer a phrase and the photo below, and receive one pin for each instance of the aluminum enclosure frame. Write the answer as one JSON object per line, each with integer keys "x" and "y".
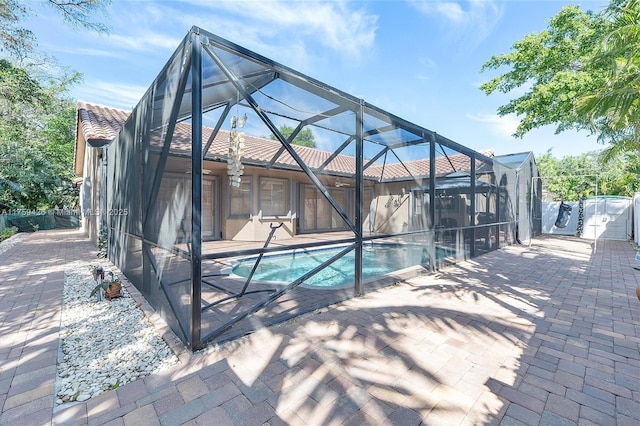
{"x": 158, "y": 244}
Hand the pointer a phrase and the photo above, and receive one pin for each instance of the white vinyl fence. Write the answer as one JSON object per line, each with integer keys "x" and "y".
{"x": 609, "y": 218}
{"x": 636, "y": 217}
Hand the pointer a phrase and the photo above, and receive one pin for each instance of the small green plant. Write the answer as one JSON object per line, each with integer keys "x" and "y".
{"x": 8, "y": 233}
{"x": 102, "y": 243}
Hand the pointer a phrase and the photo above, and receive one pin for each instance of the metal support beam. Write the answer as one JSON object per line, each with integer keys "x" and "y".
{"x": 413, "y": 142}
{"x": 472, "y": 248}
{"x": 216, "y": 129}
{"x": 301, "y": 125}
{"x": 335, "y": 153}
{"x": 247, "y": 96}
{"x": 379, "y": 130}
{"x": 432, "y": 204}
{"x": 275, "y": 157}
{"x": 358, "y": 289}
{"x": 196, "y": 190}
{"x": 403, "y": 165}
{"x": 384, "y": 164}
{"x": 375, "y": 158}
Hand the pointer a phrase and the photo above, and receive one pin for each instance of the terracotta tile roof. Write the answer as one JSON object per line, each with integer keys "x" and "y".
{"x": 445, "y": 164}
{"x": 100, "y": 122}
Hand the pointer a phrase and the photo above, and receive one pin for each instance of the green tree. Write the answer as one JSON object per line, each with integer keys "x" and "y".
{"x": 554, "y": 69}
{"x": 304, "y": 137}
{"x": 614, "y": 106}
{"x": 18, "y": 42}
{"x": 572, "y": 177}
{"x": 568, "y": 178}
{"x": 22, "y": 101}
{"x": 36, "y": 142}
{"x": 59, "y": 136}
{"x": 620, "y": 175}
{"x": 582, "y": 72}
{"x": 37, "y": 121}
{"x": 28, "y": 179}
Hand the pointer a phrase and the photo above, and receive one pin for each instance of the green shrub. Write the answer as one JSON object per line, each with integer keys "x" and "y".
{"x": 8, "y": 232}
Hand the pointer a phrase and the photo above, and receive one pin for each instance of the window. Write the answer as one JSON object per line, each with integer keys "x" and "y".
{"x": 240, "y": 198}
{"x": 319, "y": 214}
{"x": 274, "y": 197}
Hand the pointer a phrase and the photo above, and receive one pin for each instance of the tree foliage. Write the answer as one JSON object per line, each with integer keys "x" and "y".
{"x": 614, "y": 107}
{"x": 36, "y": 142}
{"x": 31, "y": 181}
{"x": 554, "y": 68}
{"x": 37, "y": 121}
{"x": 18, "y": 42}
{"x": 304, "y": 137}
{"x": 573, "y": 177}
{"x": 582, "y": 72}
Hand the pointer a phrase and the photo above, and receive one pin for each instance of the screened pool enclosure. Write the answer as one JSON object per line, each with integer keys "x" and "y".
{"x": 225, "y": 223}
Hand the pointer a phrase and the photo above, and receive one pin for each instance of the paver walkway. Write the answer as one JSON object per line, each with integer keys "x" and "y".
{"x": 540, "y": 335}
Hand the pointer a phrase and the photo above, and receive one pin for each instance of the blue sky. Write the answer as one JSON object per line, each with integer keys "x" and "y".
{"x": 419, "y": 60}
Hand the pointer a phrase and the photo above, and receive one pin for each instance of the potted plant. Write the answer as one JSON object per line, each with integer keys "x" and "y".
{"x": 111, "y": 285}
{"x": 114, "y": 287}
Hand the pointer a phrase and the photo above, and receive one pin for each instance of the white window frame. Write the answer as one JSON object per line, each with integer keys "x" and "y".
{"x": 243, "y": 215}
{"x": 286, "y": 210}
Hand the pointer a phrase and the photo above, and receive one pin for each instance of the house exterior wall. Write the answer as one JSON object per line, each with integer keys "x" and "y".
{"x": 90, "y": 189}
{"x": 255, "y": 226}
{"x": 391, "y": 208}
{"x": 390, "y": 203}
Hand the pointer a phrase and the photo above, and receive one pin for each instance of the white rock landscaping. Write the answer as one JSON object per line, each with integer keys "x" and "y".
{"x": 104, "y": 344}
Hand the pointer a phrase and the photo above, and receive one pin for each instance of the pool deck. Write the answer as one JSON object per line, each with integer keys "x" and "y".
{"x": 540, "y": 335}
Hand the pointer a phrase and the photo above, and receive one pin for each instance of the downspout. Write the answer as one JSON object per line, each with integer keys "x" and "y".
{"x": 102, "y": 223}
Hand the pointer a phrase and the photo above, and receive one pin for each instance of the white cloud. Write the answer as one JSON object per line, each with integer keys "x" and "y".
{"x": 450, "y": 10}
{"x": 144, "y": 42}
{"x": 504, "y": 126}
{"x": 470, "y": 20}
{"x": 87, "y": 52}
{"x": 334, "y": 24}
{"x": 425, "y": 68}
{"x": 124, "y": 96}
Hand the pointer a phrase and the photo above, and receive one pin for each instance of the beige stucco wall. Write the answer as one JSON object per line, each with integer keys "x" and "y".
{"x": 392, "y": 208}
{"x": 91, "y": 186}
{"x": 256, "y": 227}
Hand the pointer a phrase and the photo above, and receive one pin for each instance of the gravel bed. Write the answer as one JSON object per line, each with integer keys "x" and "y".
{"x": 104, "y": 344}
{"x": 12, "y": 241}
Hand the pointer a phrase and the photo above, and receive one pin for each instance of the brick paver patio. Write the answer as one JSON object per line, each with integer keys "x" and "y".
{"x": 540, "y": 335}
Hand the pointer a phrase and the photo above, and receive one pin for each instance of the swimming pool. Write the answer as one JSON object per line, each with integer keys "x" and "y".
{"x": 377, "y": 259}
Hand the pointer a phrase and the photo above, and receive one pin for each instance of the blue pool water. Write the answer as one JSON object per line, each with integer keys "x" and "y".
{"x": 377, "y": 260}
